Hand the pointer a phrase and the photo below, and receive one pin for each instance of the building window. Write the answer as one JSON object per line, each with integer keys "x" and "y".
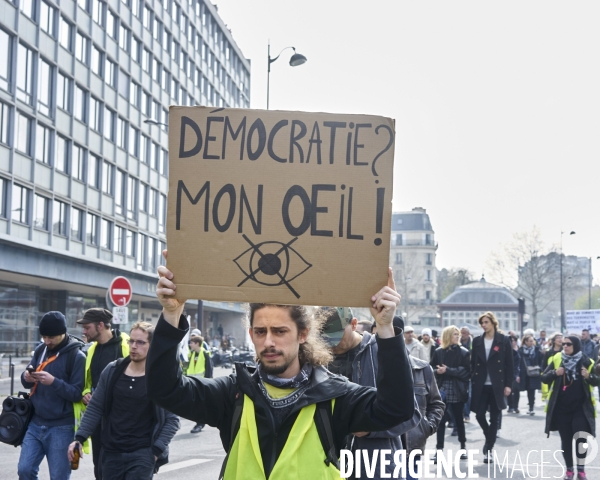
{"x": 44, "y": 87}
{"x": 121, "y": 133}
{"x": 5, "y": 58}
{"x": 80, "y": 98}
{"x": 147, "y": 18}
{"x": 4, "y": 122}
{"x": 47, "y": 15}
{"x": 124, "y": 37}
{"x": 152, "y": 202}
{"x": 131, "y": 196}
{"x": 162, "y": 213}
{"x": 133, "y": 140}
{"x": 97, "y": 61}
{"x": 77, "y": 163}
{"x": 134, "y": 94}
{"x": 28, "y": 8}
{"x": 119, "y": 191}
{"x": 43, "y": 143}
{"x": 110, "y": 73}
{"x": 140, "y": 251}
{"x": 25, "y": 74}
{"x": 136, "y": 49}
{"x": 429, "y": 259}
{"x": 106, "y": 234}
{"x": 111, "y": 24}
{"x": 427, "y": 295}
{"x": 109, "y": 122}
{"x": 398, "y": 258}
{"x": 119, "y": 239}
{"x": 164, "y": 164}
{"x": 95, "y": 114}
{"x": 63, "y": 92}
{"x": 130, "y": 244}
{"x": 3, "y": 190}
{"x": 66, "y": 33}
{"x": 61, "y": 161}
{"x": 94, "y": 171}
{"x": 429, "y": 275}
{"x": 83, "y": 4}
{"x": 399, "y": 239}
{"x": 23, "y": 134}
{"x": 427, "y": 239}
{"x": 91, "y": 229}
{"x": 145, "y": 148}
{"x": 143, "y": 206}
{"x": 123, "y": 84}
{"x": 98, "y": 12}
{"x": 59, "y": 220}
{"x": 76, "y": 224}
{"x": 107, "y": 178}
{"x": 40, "y": 212}
{"x": 147, "y": 61}
{"x": 152, "y": 249}
{"x": 20, "y": 204}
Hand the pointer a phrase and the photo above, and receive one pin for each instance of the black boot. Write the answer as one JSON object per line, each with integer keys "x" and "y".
{"x": 463, "y": 447}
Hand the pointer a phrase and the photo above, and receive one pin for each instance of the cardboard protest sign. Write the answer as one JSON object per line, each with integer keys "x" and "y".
{"x": 279, "y": 207}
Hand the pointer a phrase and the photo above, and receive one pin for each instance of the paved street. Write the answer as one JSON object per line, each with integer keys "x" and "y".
{"x": 202, "y": 454}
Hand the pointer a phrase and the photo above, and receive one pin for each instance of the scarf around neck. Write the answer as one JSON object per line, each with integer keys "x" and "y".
{"x": 570, "y": 364}
{"x": 300, "y": 383}
{"x": 529, "y": 350}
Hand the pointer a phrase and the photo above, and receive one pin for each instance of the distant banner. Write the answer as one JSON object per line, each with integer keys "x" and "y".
{"x": 282, "y": 207}
{"x": 578, "y": 320}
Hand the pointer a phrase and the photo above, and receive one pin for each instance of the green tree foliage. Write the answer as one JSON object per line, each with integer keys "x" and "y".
{"x": 582, "y": 302}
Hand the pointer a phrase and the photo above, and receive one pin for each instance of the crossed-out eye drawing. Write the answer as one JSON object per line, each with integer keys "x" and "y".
{"x": 271, "y": 264}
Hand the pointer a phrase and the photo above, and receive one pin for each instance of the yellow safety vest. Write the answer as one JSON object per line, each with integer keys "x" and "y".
{"x": 199, "y": 366}
{"x": 87, "y": 386}
{"x": 301, "y": 458}
{"x": 557, "y": 360}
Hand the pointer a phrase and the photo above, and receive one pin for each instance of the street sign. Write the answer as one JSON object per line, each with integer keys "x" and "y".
{"x": 120, "y": 315}
{"x": 120, "y": 291}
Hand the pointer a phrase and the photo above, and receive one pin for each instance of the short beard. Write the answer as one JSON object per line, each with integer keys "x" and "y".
{"x": 277, "y": 369}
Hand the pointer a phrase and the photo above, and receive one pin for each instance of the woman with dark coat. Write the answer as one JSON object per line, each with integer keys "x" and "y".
{"x": 452, "y": 366}
{"x": 514, "y": 397}
{"x": 571, "y": 406}
{"x": 530, "y": 379}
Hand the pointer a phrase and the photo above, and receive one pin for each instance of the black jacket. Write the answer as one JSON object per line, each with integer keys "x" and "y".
{"x": 100, "y": 406}
{"x": 550, "y": 376}
{"x": 212, "y": 401}
{"x": 499, "y": 365}
{"x": 530, "y": 383}
{"x": 458, "y": 362}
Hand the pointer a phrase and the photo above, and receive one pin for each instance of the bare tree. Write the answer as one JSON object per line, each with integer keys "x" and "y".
{"x": 408, "y": 275}
{"x": 530, "y": 269}
{"x": 449, "y": 279}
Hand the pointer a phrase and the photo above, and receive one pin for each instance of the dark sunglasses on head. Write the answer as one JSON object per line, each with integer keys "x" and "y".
{"x": 566, "y": 344}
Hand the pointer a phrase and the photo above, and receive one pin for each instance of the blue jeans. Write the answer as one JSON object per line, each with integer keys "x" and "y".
{"x": 52, "y": 442}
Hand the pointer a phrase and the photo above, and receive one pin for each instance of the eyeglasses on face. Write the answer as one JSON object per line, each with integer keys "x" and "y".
{"x": 567, "y": 344}
{"x": 137, "y": 343}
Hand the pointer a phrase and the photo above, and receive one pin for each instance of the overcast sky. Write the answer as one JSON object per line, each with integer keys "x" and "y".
{"x": 497, "y": 106}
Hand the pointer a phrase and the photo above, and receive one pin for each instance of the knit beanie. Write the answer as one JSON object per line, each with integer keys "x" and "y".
{"x": 426, "y": 331}
{"x": 52, "y": 324}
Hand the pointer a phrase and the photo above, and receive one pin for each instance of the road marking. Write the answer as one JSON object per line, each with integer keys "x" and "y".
{"x": 187, "y": 463}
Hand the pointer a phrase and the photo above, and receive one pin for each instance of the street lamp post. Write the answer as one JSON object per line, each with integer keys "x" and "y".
{"x": 295, "y": 60}
{"x": 562, "y": 293}
{"x": 154, "y": 122}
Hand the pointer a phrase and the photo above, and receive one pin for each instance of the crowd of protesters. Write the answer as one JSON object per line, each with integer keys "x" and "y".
{"x": 129, "y": 407}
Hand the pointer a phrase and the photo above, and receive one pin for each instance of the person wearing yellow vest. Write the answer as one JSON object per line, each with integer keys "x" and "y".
{"x": 200, "y": 365}
{"x": 283, "y": 401}
{"x": 107, "y": 345}
{"x": 56, "y": 383}
{"x": 555, "y": 346}
{"x": 572, "y": 406}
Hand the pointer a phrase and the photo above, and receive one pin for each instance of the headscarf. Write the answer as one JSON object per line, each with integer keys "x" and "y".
{"x": 570, "y": 361}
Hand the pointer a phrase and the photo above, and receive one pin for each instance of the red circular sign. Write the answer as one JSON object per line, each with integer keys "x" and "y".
{"x": 120, "y": 291}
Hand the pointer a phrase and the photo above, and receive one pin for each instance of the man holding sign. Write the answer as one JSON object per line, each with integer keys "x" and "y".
{"x": 289, "y": 414}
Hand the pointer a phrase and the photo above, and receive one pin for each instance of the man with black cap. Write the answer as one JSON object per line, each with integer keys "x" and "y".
{"x": 56, "y": 384}
{"x": 107, "y": 345}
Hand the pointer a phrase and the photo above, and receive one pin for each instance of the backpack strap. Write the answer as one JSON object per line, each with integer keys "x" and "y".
{"x": 323, "y": 422}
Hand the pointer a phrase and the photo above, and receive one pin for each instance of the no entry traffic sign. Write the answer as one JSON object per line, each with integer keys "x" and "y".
{"x": 120, "y": 291}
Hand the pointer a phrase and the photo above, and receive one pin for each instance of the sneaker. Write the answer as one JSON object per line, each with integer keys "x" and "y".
{"x": 464, "y": 455}
{"x": 454, "y": 433}
{"x": 517, "y": 410}
{"x": 531, "y": 412}
{"x": 498, "y": 434}
{"x": 487, "y": 458}
{"x": 581, "y": 476}
{"x": 511, "y": 410}
{"x": 569, "y": 475}
{"x": 467, "y": 419}
{"x": 197, "y": 428}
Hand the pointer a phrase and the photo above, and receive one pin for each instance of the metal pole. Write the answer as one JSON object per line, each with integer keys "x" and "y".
{"x": 200, "y": 322}
{"x": 11, "y": 369}
{"x": 590, "y": 287}
{"x": 562, "y": 298}
{"x": 268, "y": 70}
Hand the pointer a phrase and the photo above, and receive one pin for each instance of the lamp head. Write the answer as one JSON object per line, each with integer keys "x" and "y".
{"x": 297, "y": 59}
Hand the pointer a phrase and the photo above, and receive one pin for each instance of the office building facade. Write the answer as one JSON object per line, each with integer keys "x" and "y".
{"x": 83, "y": 178}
